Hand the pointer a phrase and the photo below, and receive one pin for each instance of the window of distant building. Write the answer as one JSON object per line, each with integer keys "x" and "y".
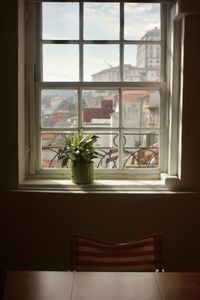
{"x": 98, "y": 67}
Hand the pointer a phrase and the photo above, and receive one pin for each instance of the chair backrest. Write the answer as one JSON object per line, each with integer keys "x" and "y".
{"x": 143, "y": 254}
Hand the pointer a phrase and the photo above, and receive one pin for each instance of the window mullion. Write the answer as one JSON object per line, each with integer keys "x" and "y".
{"x": 80, "y": 109}
{"x": 81, "y": 62}
{"x": 122, "y": 79}
{"x": 81, "y": 28}
{"x": 107, "y": 85}
{"x": 120, "y": 129}
{"x": 121, "y": 40}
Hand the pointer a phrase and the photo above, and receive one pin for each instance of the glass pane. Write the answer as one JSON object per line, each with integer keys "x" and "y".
{"x": 60, "y": 21}
{"x": 60, "y": 63}
{"x": 50, "y": 143}
{"x": 59, "y": 108}
{"x": 100, "y": 108}
{"x": 141, "y": 150}
{"x": 142, "y": 62}
{"x": 142, "y": 21}
{"x": 107, "y": 147}
{"x": 101, "y": 21}
{"x": 101, "y": 63}
{"x": 141, "y": 108}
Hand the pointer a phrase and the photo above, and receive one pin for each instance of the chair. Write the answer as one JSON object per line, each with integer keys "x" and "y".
{"x": 143, "y": 254}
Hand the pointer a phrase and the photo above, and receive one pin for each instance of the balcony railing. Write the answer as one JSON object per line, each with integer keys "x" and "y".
{"x": 133, "y": 157}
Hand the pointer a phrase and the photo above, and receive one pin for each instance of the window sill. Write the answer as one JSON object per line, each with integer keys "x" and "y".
{"x": 121, "y": 186}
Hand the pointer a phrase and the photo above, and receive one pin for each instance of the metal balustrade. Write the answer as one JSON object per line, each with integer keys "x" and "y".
{"x": 140, "y": 157}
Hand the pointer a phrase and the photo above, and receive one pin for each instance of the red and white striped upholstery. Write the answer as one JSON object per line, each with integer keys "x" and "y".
{"x": 143, "y": 254}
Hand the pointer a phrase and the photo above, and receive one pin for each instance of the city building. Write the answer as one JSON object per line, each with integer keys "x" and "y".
{"x": 149, "y": 56}
{"x": 148, "y": 60}
{"x": 131, "y": 73}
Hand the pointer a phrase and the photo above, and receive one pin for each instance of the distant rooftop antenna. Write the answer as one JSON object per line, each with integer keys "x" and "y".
{"x": 108, "y": 64}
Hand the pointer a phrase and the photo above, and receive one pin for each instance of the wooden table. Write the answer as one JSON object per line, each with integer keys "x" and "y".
{"x": 25, "y": 285}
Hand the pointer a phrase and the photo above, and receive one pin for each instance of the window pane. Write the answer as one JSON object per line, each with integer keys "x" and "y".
{"x": 100, "y": 108}
{"x": 60, "y": 63}
{"x": 59, "y": 108}
{"x": 101, "y": 63}
{"x": 101, "y": 21}
{"x": 50, "y": 143}
{"x": 107, "y": 147}
{"x": 142, "y": 21}
{"x": 60, "y": 21}
{"x": 142, "y": 62}
{"x": 141, "y": 108}
{"x": 141, "y": 150}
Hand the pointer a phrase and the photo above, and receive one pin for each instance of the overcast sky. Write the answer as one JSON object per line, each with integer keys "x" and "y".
{"x": 101, "y": 22}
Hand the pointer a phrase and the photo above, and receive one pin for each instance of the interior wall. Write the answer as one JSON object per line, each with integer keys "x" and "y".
{"x": 192, "y": 6}
{"x": 9, "y": 94}
{"x": 191, "y": 103}
{"x": 35, "y": 226}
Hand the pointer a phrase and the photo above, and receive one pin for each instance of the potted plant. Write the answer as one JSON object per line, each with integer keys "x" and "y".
{"x": 78, "y": 151}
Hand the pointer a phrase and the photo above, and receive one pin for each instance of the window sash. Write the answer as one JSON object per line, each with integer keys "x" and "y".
{"x": 121, "y": 41}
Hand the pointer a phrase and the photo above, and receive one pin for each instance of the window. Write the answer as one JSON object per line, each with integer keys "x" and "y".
{"x": 93, "y": 66}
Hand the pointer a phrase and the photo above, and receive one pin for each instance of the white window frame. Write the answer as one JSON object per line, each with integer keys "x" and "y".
{"x": 34, "y": 84}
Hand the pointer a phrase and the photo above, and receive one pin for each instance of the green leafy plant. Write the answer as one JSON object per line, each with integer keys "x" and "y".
{"x": 78, "y": 148}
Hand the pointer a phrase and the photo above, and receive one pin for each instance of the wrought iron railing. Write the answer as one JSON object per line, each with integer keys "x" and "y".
{"x": 133, "y": 157}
